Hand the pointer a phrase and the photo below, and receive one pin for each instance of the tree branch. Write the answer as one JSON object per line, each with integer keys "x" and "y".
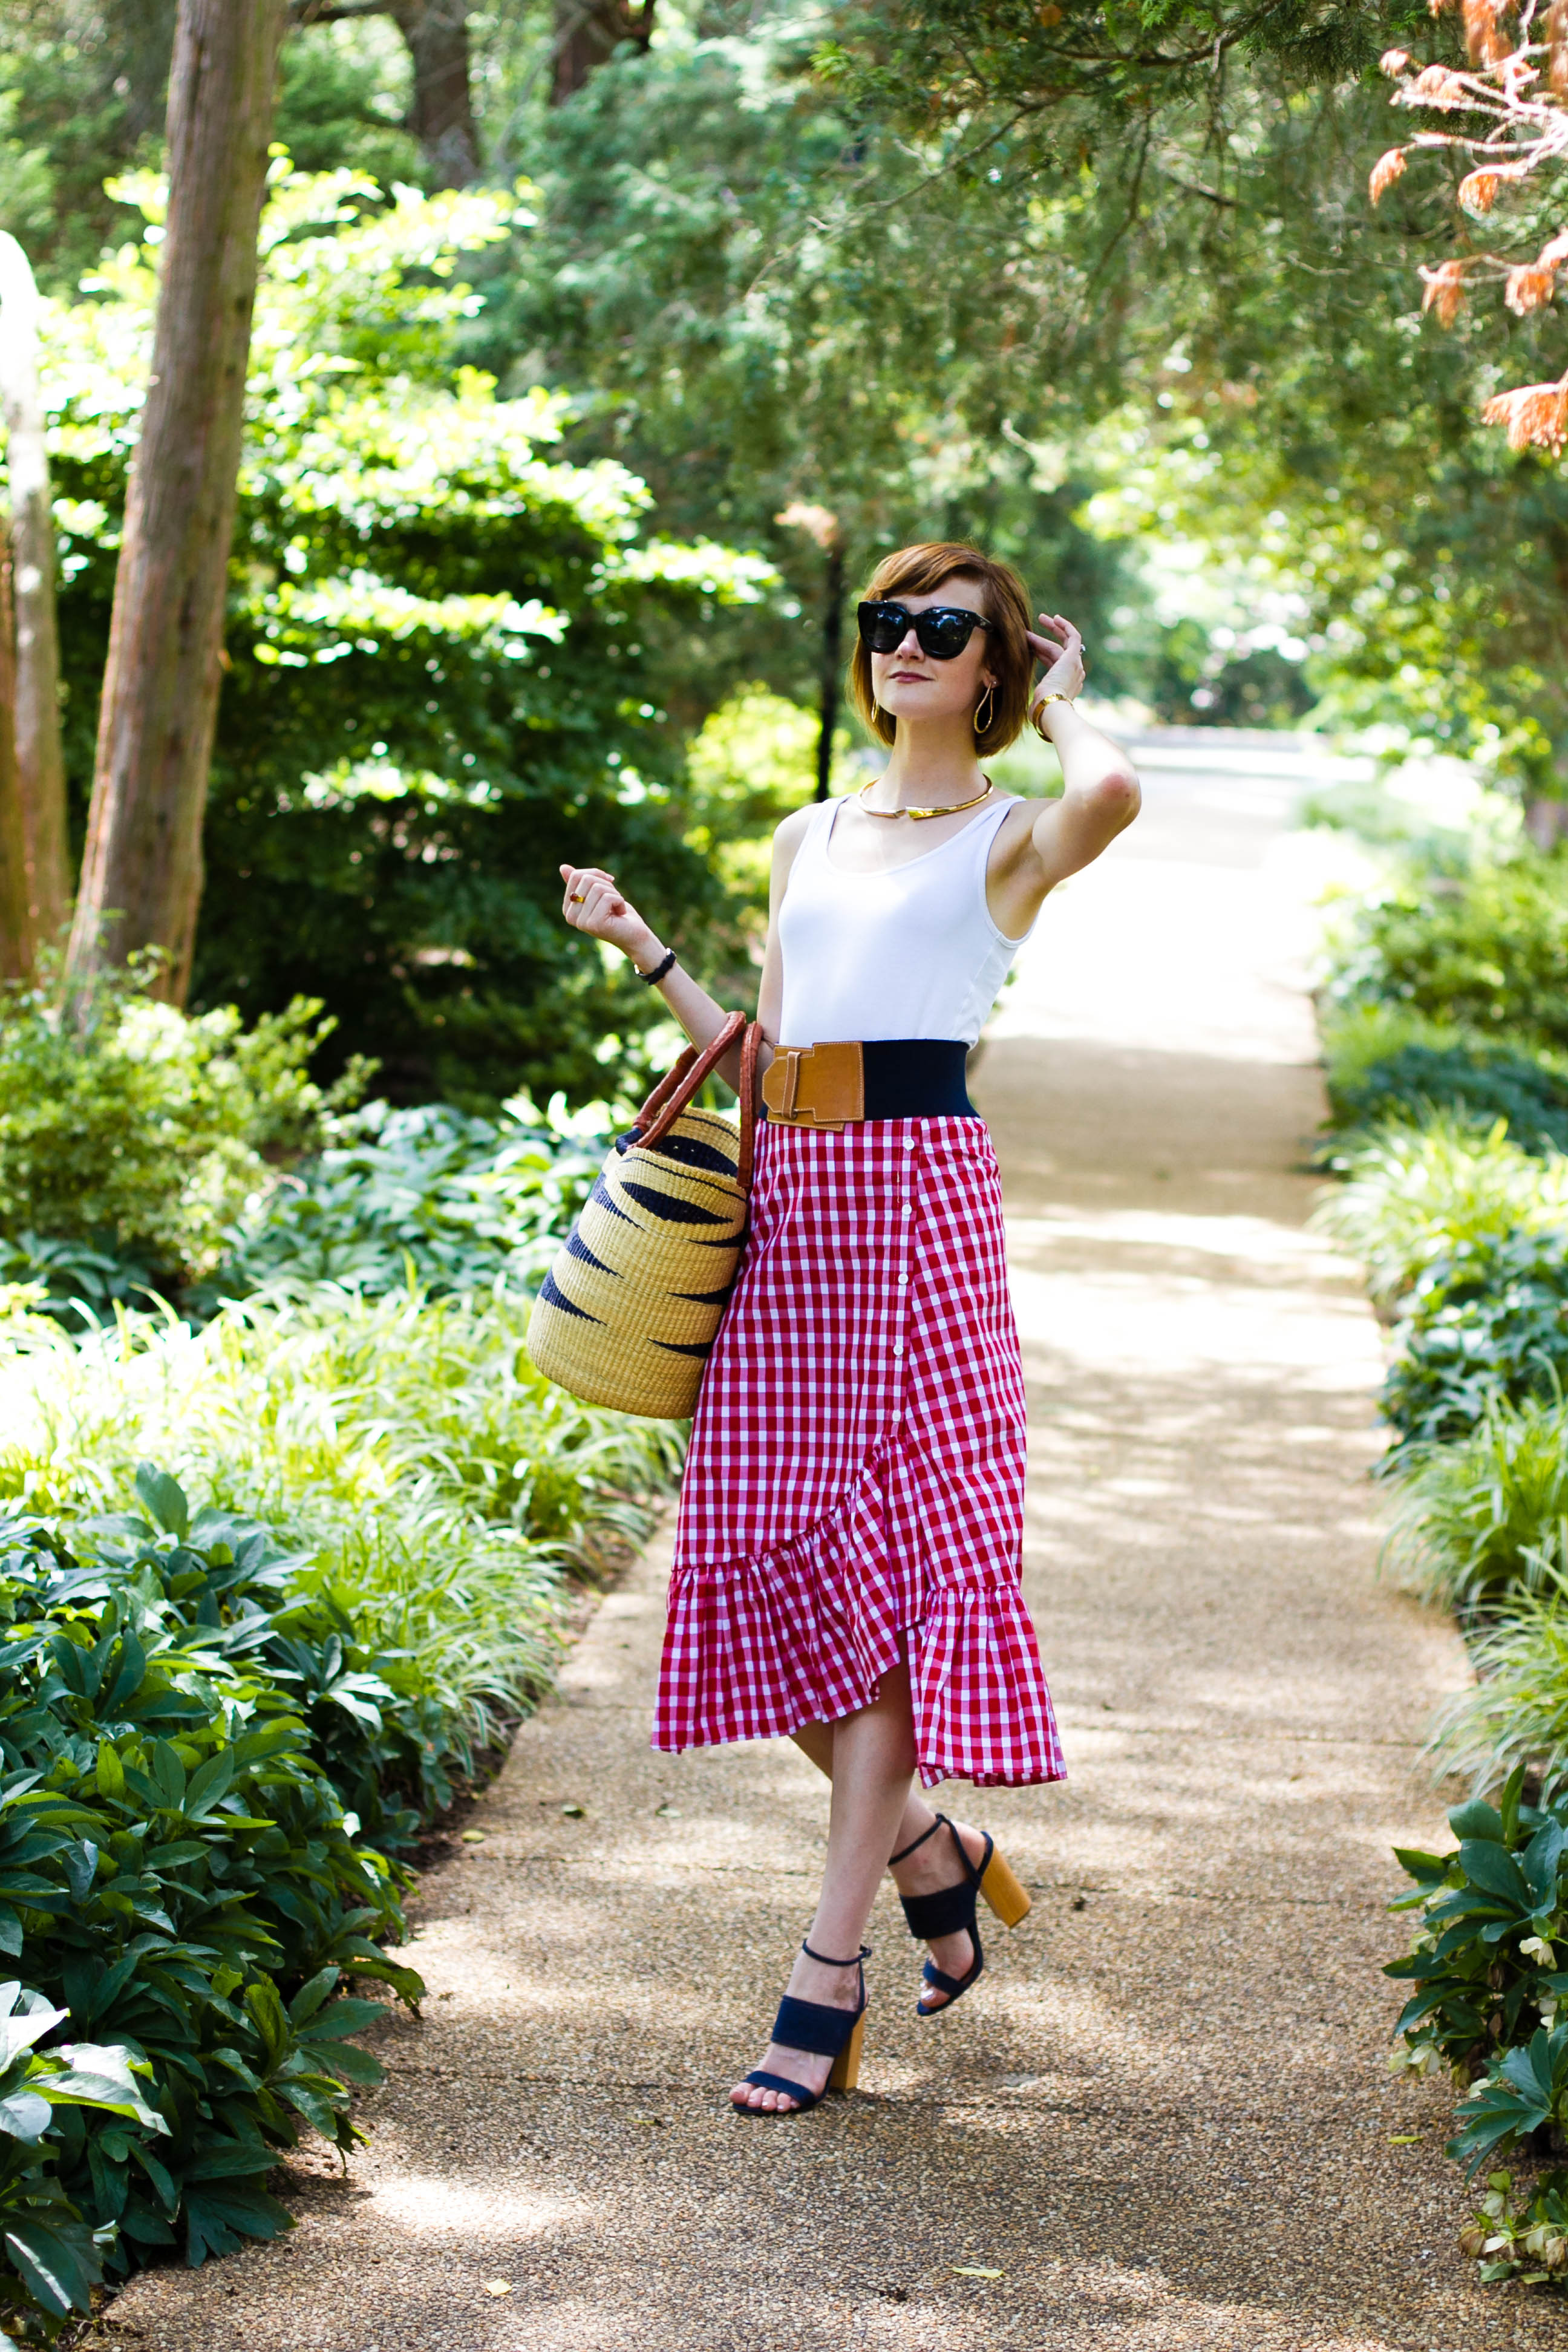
{"x": 332, "y": 12}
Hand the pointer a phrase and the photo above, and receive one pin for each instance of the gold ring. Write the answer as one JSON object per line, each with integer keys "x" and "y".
{"x": 576, "y": 899}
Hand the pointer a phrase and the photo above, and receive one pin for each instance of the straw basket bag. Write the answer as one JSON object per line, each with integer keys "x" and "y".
{"x": 627, "y": 1313}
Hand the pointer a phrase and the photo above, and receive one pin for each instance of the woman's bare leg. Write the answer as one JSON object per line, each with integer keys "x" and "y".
{"x": 933, "y": 1865}
{"x": 873, "y": 1761}
{"x": 814, "y": 1741}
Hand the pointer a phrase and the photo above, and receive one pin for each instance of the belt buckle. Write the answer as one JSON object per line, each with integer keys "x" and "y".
{"x": 791, "y": 1111}
{"x": 809, "y": 1114}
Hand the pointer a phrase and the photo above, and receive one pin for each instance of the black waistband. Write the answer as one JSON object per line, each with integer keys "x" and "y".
{"x": 916, "y": 1077}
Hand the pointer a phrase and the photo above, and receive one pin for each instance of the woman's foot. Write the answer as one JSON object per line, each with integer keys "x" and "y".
{"x": 930, "y": 1867}
{"x": 809, "y": 1979}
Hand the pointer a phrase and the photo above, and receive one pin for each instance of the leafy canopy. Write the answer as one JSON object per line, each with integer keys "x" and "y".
{"x": 443, "y": 643}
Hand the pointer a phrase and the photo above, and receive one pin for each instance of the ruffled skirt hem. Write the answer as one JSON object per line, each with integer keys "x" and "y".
{"x": 759, "y": 1646}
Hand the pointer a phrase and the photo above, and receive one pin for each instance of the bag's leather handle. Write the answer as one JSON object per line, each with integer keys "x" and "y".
{"x": 676, "y": 1088}
{"x": 749, "y": 1045}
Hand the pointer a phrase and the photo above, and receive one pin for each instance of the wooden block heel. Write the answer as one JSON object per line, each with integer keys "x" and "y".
{"x": 1002, "y": 1892}
{"x": 847, "y": 2065}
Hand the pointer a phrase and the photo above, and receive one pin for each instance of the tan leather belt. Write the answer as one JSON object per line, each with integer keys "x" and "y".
{"x": 816, "y": 1085}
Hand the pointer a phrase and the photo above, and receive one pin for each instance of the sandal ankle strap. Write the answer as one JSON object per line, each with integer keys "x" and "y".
{"x": 915, "y": 1843}
{"x": 823, "y": 1961}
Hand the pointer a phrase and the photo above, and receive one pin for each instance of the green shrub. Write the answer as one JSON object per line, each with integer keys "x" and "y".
{"x": 1473, "y": 1082}
{"x": 1487, "y": 1321}
{"x": 128, "y": 1128}
{"x": 1483, "y": 1520}
{"x": 1486, "y": 950}
{"x": 1416, "y": 1191}
{"x": 177, "y": 1867}
{"x": 1483, "y": 1965}
{"x": 50, "y": 2257}
{"x": 438, "y": 1486}
{"x": 425, "y": 1195}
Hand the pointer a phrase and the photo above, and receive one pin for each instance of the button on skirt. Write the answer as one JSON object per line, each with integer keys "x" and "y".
{"x": 853, "y": 1490}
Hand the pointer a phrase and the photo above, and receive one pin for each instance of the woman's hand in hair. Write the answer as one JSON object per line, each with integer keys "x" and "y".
{"x": 1062, "y": 653}
{"x": 592, "y": 903}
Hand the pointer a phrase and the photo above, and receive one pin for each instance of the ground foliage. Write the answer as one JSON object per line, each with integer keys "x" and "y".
{"x": 1483, "y": 1969}
{"x": 1486, "y": 1319}
{"x": 147, "y": 1155}
{"x": 440, "y": 1487}
{"x": 219, "y": 1732}
{"x": 428, "y": 1195}
{"x": 181, "y": 1732}
{"x": 1484, "y": 948}
{"x": 1482, "y": 1523}
{"x": 1520, "y": 2232}
{"x": 1444, "y": 984}
{"x": 1417, "y": 1190}
{"x": 1477, "y": 1081}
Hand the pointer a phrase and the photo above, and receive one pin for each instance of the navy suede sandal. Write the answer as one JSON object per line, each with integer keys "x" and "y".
{"x": 821, "y": 2032}
{"x": 950, "y": 1910}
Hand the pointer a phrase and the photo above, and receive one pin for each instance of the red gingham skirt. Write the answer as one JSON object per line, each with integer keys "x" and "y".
{"x": 855, "y": 1484}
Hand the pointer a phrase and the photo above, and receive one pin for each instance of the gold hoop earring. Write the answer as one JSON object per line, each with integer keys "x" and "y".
{"x": 989, "y": 700}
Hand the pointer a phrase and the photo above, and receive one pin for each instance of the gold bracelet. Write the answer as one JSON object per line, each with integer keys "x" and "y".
{"x": 1055, "y": 696}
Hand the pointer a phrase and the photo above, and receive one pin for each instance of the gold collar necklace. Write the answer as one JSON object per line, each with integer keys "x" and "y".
{"x": 919, "y": 814}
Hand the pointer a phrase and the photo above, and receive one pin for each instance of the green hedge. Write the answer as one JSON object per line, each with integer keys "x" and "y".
{"x": 1447, "y": 1019}
{"x": 221, "y": 1731}
{"x": 1484, "y": 949}
{"x": 183, "y": 1732}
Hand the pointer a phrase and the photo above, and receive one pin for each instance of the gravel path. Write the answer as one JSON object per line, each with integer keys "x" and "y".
{"x": 1164, "y": 2119}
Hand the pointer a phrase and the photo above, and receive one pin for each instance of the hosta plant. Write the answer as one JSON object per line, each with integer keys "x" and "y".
{"x": 1484, "y": 1321}
{"x": 1482, "y": 1084}
{"x": 425, "y": 1195}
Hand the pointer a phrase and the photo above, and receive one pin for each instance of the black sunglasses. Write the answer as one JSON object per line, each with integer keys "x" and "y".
{"x": 942, "y": 630}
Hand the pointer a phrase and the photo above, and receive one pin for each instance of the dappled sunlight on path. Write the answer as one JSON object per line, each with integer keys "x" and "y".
{"x": 1164, "y": 2119}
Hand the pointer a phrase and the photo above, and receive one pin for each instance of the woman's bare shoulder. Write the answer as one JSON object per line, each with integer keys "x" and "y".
{"x": 791, "y": 830}
{"x": 1018, "y": 824}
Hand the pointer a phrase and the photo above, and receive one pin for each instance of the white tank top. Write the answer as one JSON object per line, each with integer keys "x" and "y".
{"x": 910, "y": 953}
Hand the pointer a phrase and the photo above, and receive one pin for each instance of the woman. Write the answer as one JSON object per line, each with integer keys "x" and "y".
{"x": 846, "y": 1565}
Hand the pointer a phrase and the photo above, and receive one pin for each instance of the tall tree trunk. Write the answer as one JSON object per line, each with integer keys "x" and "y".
{"x": 143, "y": 862}
{"x": 33, "y": 841}
{"x": 442, "y": 115}
{"x": 588, "y": 32}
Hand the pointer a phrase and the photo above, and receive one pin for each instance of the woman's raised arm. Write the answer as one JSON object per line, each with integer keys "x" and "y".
{"x": 1100, "y": 795}
{"x": 593, "y": 903}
